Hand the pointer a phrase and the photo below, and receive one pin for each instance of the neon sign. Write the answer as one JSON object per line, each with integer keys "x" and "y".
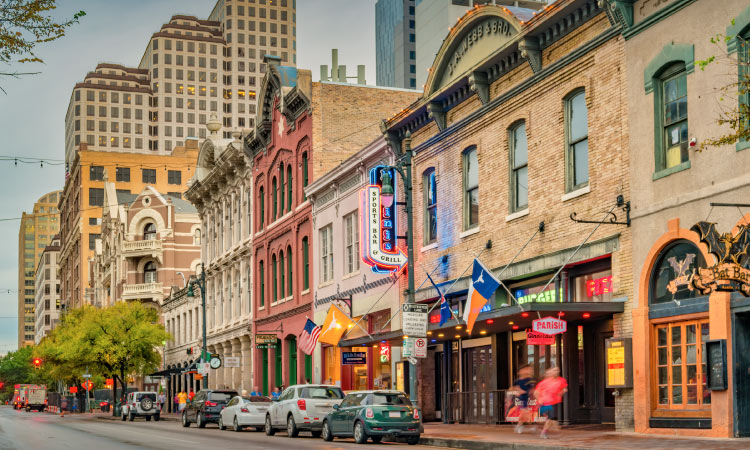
{"x": 527, "y": 296}
{"x": 599, "y": 286}
{"x": 379, "y": 240}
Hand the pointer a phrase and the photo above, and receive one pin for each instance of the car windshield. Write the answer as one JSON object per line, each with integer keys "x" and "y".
{"x": 322, "y": 392}
{"x": 390, "y": 399}
{"x": 140, "y": 397}
{"x": 258, "y": 399}
{"x": 221, "y": 396}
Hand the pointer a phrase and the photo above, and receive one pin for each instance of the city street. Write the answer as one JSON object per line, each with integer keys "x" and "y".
{"x": 30, "y": 431}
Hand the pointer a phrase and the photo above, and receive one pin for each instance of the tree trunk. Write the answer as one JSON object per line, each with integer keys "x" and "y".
{"x": 114, "y": 393}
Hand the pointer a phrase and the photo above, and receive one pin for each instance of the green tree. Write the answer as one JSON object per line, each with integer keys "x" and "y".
{"x": 24, "y": 24}
{"x": 17, "y": 368}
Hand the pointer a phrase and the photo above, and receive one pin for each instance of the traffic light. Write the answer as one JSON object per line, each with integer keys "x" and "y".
{"x": 190, "y": 351}
{"x": 37, "y": 362}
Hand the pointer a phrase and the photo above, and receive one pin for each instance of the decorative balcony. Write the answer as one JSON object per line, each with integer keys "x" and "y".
{"x": 142, "y": 291}
{"x": 136, "y": 249}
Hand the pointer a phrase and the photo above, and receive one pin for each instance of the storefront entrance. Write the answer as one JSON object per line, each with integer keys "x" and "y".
{"x": 742, "y": 373}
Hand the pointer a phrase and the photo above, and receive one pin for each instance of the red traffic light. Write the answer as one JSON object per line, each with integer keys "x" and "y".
{"x": 37, "y": 362}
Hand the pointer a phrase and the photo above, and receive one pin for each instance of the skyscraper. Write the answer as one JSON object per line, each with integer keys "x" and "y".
{"x": 395, "y": 41}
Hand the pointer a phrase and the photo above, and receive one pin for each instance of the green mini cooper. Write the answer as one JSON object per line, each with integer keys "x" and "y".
{"x": 373, "y": 414}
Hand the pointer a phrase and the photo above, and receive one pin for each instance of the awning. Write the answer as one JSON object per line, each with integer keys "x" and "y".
{"x": 166, "y": 372}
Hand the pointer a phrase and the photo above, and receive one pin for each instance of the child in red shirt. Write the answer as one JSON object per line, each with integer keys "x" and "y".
{"x": 549, "y": 393}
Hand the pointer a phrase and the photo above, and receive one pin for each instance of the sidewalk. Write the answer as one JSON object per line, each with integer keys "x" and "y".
{"x": 575, "y": 437}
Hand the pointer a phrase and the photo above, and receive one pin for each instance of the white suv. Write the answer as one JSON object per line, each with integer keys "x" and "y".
{"x": 141, "y": 404}
{"x": 302, "y": 407}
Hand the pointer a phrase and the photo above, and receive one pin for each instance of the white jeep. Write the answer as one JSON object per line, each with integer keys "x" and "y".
{"x": 141, "y": 404}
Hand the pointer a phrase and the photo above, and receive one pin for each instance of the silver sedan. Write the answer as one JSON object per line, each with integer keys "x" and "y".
{"x": 249, "y": 411}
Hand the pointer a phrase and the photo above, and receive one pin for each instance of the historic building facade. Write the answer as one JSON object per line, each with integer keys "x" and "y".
{"x": 222, "y": 191}
{"x": 47, "y": 290}
{"x": 520, "y": 160}
{"x": 690, "y": 346}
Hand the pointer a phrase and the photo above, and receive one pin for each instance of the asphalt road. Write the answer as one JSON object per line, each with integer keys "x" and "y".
{"x": 20, "y": 430}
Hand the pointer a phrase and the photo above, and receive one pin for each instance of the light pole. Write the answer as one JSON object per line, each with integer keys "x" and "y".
{"x": 201, "y": 282}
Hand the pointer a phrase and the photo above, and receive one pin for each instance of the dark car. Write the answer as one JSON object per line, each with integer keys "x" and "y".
{"x": 206, "y": 407}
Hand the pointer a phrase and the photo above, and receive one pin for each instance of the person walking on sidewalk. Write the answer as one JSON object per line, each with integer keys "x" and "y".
{"x": 63, "y": 406}
{"x": 522, "y": 387}
{"x": 182, "y": 398}
{"x": 191, "y": 395}
{"x": 549, "y": 393}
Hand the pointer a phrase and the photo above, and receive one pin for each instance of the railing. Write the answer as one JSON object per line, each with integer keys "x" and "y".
{"x": 140, "y": 246}
{"x": 143, "y": 288}
{"x": 476, "y": 407}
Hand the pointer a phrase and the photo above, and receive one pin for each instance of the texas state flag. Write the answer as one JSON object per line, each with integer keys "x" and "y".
{"x": 483, "y": 285}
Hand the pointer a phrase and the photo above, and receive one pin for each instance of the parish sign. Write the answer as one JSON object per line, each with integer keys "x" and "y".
{"x": 549, "y": 325}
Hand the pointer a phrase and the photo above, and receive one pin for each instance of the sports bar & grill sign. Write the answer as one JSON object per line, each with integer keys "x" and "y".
{"x": 549, "y": 325}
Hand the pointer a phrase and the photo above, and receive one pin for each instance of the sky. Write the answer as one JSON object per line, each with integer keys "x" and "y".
{"x": 32, "y": 113}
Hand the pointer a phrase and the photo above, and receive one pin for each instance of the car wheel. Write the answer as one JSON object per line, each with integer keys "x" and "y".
{"x": 315, "y": 433}
{"x": 148, "y": 418}
{"x": 291, "y": 427}
{"x": 360, "y": 437}
{"x": 221, "y": 423}
{"x": 199, "y": 421}
{"x": 327, "y": 435}
{"x": 157, "y": 417}
{"x": 269, "y": 428}
{"x": 236, "y": 426}
{"x": 131, "y": 417}
{"x": 185, "y": 421}
{"x": 376, "y": 439}
{"x": 412, "y": 440}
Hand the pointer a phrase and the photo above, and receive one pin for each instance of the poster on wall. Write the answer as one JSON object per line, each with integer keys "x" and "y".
{"x": 514, "y": 409}
{"x": 619, "y": 363}
{"x": 353, "y": 358}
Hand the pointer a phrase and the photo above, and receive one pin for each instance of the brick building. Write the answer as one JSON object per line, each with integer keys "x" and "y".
{"x": 521, "y": 128}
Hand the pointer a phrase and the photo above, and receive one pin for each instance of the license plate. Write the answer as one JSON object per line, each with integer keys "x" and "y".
{"x": 394, "y": 414}
{"x": 262, "y": 409}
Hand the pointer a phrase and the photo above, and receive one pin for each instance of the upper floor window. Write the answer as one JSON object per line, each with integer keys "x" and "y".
{"x": 149, "y": 232}
{"x": 274, "y": 198}
{"x": 326, "y": 254}
{"x": 149, "y": 272}
{"x": 304, "y": 173}
{"x": 148, "y": 175}
{"x": 305, "y": 264}
{"x": 274, "y": 280}
{"x": 96, "y": 197}
{"x": 743, "y": 58}
{"x": 281, "y": 190}
{"x": 577, "y": 148}
{"x": 429, "y": 183}
{"x": 96, "y": 173}
{"x": 197, "y": 236}
{"x": 174, "y": 177}
{"x": 261, "y": 208}
{"x": 289, "y": 187}
{"x": 122, "y": 174}
{"x": 262, "y": 287}
{"x": 519, "y": 172}
{"x": 289, "y": 270}
{"x": 674, "y": 115}
{"x": 351, "y": 232}
{"x": 471, "y": 188}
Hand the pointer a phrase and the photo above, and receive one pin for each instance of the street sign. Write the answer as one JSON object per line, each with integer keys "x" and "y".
{"x": 413, "y": 360}
{"x": 204, "y": 368}
{"x": 414, "y": 319}
{"x": 353, "y": 358}
{"x": 86, "y": 375}
{"x": 263, "y": 341}
{"x": 549, "y": 325}
{"x": 536, "y": 338}
{"x": 408, "y": 349}
{"x": 232, "y": 361}
{"x": 420, "y": 348}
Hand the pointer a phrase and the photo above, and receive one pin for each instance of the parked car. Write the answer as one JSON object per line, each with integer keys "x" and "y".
{"x": 249, "y": 411}
{"x": 206, "y": 406}
{"x": 373, "y": 414}
{"x": 302, "y": 407}
{"x": 141, "y": 404}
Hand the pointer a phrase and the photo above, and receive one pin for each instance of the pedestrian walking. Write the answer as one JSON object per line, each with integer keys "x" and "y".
{"x": 191, "y": 395}
{"x": 162, "y": 399}
{"x": 75, "y": 404}
{"x": 522, "y": 388}
{"x": 182, "y": 398}
{"x": 176, "y": 401}
{"x": 63, "y": 406}
{"x": 549, "y": 393}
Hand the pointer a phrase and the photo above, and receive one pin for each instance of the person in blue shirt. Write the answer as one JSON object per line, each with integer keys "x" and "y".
{"x": 256, "y": 392}
{"x": 276, "y": 393}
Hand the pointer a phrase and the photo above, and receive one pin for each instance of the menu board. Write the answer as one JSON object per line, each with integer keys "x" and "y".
{"x": 619, "y": 363}
{"x": 716, "y": 353}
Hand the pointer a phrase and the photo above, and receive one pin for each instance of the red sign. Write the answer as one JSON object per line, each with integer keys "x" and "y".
{"x": 88, "y": 385}
{"x": 385, "y": 352}
{"x": 73, "y": 390}
{"x": 549, "y": 325}
{"x": 435, "y": 317}
{"x": 109, "y": 382}
{"x": 536, "y": 338}
{"x": 599, "y": 286}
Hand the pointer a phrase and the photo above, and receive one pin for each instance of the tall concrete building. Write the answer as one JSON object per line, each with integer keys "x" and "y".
{"x": 36, "y": 232}
{"x": 190, "y": 68}
{"x": 47, "y": 290}
{"x": 408, "y": 35}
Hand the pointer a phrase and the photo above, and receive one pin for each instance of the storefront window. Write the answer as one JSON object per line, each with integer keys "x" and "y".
{"x": 382, "y": 366}
{"x": 593, "y": 287}
{"x": 681, "y": 374}
{"x": 670, "y": 279}
{"x": 359, "y": 372}
{"x": 332, "y": 365}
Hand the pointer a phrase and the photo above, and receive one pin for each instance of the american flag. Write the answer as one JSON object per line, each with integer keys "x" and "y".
{"x": 309, "y": 337}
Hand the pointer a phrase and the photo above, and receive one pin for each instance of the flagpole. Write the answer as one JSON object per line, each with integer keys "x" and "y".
{"x": 420, "y": 287}
{"x": 373, "y": 305}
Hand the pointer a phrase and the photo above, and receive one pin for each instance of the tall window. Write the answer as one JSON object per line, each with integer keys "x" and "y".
{"x": 304, "y": 174}
{"x": 681, "y": 372}
{"x": 281, "y": 190}
{"x": 148, "y": 175}
{"x": 262, "y": 208}
{"x": 262, "y": 282}
{"x": 149, "y": 272}
{"x": 351, "y": 231}
{"x": 174, "y": 177}
{"x": 197, "y": 236}
{"x": 96, "y": 173}
{"x": 122, "y": 174}
{"x": 282, "y": 280}
{"x": 577, "y": 132}
{"x": 326, "y": 254}
{"x": 674, "y": 116}
{"x": 249, "y": 213}
{"x": 96, "y": 197}
{"x": 149, "y": 232}
{"x": 305, "y": 264}
{"x": 471, "y": 188}
{"x": 289, "y": 187}
{"x": 274, "y": 280}
{"x": 519, "y": 176}
{"x": 275, "y": 197}
{"x": 429, "y": 183}
{"x": 743, "y": 58}
{"x": 289, "y": 269}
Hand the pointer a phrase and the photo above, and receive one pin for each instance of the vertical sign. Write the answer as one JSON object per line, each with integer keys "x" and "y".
{"x": 379, "y": 240}
{"x": 619, "y": 363}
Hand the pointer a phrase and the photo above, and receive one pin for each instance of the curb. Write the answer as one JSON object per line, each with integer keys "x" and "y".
{"x": 487, "y": 445}
{"x": 113, "y": 418}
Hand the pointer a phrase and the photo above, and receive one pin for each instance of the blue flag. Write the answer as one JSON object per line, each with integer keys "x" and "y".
{"x": 445, "y": 312}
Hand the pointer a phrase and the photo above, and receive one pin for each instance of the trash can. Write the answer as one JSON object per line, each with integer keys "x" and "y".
{"x": 118, "y": 409}
{"x": 104, "y": 406}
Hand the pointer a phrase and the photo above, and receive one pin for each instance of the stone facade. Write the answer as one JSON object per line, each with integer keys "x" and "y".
{"x": 47, "y": 290}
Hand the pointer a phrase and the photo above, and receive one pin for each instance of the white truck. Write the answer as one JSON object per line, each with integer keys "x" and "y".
{"x": 36, "y": 398}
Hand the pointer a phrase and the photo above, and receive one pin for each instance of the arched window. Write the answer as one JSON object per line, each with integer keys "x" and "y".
{"x": 282, "y": 284}
{"x": 197, "y": 236}
{"x": 274, "y": 280}
{"x": 262, "y": 283}
{"x": 149, "y": 272}
{"x": 305, "y": 264}
{"x": 289, "y": 269}
{"x": 249, "y": 213}
{"x": 281, "y": 190}
{"x": 149, "y": 232}
{"x": 261, "y": 208}
{"x": 429, "y": 183}
{"x": 304, "y": 174}
{"x": 672, "y": 270}
{"x": 289, "y": 187}
{"x": 519, "y": 170}
{"x": 275, "y": 197}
